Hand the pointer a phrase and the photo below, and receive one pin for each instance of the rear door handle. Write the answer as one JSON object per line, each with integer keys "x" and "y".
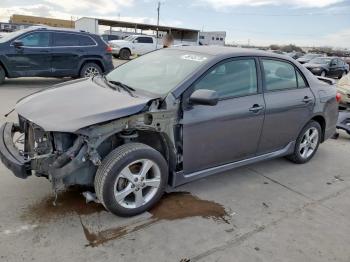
{"x": 256, "y": 108}
{"x": 307, "y": 99}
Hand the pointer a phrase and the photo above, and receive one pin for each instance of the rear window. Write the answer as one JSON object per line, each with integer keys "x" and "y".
{"x": 66, "y": 39}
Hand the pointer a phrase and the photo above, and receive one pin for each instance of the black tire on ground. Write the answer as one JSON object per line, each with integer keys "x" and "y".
{"x": 90, "y": 69}
{"x": 2, "y": 75}
{"x": 342, "y": 74}
{"x": 124, "y": 54}
{"x": 297, "y": 157}
{"x": 110, "y": 181}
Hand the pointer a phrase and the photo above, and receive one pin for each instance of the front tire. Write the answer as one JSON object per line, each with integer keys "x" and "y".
{"x": 124, "y": 54}
{"x": 2, "y": 75}
{"x": 131, "y": 179}
{"x": 307, "y": 143}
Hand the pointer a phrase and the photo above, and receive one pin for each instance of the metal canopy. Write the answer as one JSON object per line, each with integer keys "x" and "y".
{"x": 123, "y": 24}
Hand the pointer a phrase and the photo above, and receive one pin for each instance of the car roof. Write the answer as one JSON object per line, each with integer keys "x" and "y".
{"x": 229, "y": 51}
{"x": 59, "y": 29}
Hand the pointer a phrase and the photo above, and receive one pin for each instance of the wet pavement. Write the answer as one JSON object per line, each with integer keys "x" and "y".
{"x": 271, "y": 211}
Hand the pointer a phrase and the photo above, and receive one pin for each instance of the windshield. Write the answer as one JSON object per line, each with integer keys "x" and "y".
{"x": 321, "y": 60}
{"x": 9, "y": 36}
{"x": 158, "y": 72}
{"x": 130, "y": 38}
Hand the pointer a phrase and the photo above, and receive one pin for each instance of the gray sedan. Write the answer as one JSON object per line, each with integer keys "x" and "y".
{"x": 168, "y": 118}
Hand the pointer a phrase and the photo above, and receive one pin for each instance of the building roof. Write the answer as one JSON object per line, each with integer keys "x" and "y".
{"x": 142, "y": 26}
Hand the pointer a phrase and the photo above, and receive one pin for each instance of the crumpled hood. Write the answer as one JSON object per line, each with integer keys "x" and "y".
{"x": 76, "y": 104}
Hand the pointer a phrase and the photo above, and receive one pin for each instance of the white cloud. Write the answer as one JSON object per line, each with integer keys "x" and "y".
{"x": 98, "y": 6}
{"x": 220, "y": 4}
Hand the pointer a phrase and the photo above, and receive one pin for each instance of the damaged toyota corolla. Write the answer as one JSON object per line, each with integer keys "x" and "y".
{"x": 168, "y": 118}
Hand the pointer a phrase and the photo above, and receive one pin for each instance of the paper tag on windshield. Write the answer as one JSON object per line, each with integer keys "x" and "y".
{"x": 195, "y": 58}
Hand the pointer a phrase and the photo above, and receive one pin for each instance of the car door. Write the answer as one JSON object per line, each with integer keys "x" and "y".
{"x": 33, "y": 58}
{"x": 67, "y": 52}
{"x": 229, "y": 131}
{"x": 289, "y": 104}
{"x": 144, "y": 45}
{"x": 334, "y": 68}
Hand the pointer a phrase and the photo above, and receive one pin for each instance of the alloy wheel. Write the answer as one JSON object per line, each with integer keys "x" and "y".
{"x": 91, "y": 71}
{"x": 309, "y": 143}
{"x": 137, "y": 183}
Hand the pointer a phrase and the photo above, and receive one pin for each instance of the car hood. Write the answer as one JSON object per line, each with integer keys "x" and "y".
{"x": 76, "y": 104}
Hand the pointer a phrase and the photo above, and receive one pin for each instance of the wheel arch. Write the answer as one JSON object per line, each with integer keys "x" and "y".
{"x": 5, "y": 69}
{"x": 322, "y": 121}
{"x": 91, "y": 60}
{"x": 157, "y": 140}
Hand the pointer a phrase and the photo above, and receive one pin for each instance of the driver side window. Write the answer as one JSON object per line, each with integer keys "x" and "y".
{"x": 38, "y": 39}
{"x": 231, "y": 79}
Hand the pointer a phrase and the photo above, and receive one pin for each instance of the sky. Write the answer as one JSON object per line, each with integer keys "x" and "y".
{"x": 259, "y": 22}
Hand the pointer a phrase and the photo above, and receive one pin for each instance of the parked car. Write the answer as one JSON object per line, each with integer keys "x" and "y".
{"x": 53, "y": 52}
{"x": 307, "y": 58}
{"x": 108, "y": 38}
{"x": 134, "y": 45}
{"x": 328, "y": 67}
{"x": 295, "y": 55}
{"x": 343, "y": 87}
{"x": 191, "y": 112}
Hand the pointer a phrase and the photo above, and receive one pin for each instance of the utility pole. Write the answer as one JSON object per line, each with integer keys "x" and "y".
{"x": 158, "y": 11}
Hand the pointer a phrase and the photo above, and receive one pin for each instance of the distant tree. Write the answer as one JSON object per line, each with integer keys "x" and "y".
{"x": 275, "y": 47}
{"x": 291, "y": 48}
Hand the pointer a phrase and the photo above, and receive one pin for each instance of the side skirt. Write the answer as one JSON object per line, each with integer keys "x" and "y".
{"x": 179, "y": 178}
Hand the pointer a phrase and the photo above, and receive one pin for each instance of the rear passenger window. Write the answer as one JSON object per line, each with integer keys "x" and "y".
{"x": 301, "y": 81}
{"x": 145, "y": 40}
{"x": 231, "y": 79}
{"x": 279, "y": 75}
{"x": 65, "y": 39}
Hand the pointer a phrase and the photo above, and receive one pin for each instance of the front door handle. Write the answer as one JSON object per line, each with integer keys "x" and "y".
{"x": 307, "y": 99}
{"x": 256, "y": 108}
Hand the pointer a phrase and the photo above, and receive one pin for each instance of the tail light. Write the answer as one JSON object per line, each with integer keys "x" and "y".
{"x": 338, "y": 97}
{"x": 109, "y": 49}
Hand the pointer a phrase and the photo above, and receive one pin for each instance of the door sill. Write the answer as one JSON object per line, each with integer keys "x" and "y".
{"x": 179, "y": 178}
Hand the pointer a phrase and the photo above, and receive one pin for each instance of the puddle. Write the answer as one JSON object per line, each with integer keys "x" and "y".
{"x": 68, "y": 202}
{"x": 173, "y": 206}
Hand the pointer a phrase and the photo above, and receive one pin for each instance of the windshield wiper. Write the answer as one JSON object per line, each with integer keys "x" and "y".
{"x": 115, "y": 84}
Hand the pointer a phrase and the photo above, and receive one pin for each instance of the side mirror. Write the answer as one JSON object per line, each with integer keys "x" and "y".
{"x": 204, "y": 97}
{"x": 18, "y": 43}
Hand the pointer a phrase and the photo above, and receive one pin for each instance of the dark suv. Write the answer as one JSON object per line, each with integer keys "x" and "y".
{"x": 52, "y": 52}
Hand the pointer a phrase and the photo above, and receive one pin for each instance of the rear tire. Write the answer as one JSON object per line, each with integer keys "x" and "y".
{"x": 307, "y": 143}
{"x": 2, "y": 75}
{"x": 131, "y": 179}
{"x": 124, "y": 54}
{"x": 90, "y": 69}
{"x": 342, "y": 74}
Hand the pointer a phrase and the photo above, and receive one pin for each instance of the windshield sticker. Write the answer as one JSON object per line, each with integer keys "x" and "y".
{"x": 195, "y": 58}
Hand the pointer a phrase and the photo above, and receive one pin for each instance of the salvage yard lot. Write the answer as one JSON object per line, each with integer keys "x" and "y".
{"x": 272, "y": 211}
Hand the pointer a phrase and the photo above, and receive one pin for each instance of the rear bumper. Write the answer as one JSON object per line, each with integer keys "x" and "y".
{"x": 9, "y": 154}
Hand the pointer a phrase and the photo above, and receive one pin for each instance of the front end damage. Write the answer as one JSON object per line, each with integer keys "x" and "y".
{"x": 73, "y": 158}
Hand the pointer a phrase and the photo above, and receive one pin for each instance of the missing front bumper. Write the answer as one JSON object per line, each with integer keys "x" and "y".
{"x": 9, "y": 154}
